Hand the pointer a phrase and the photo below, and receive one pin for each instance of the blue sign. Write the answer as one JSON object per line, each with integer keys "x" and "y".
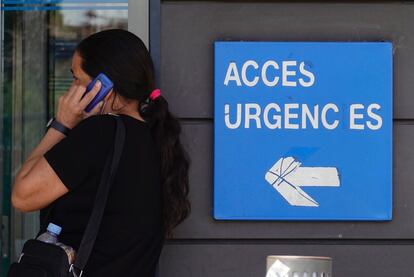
{"x": 303, "y": 131}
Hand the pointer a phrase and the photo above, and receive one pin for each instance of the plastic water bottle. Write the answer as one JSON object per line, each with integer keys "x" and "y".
{"x": 51, "y": 235}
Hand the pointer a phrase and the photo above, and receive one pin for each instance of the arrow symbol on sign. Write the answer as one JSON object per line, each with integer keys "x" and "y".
{"x": 286, "y": 176}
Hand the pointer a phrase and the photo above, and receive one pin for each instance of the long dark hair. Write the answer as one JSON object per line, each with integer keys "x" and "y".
{"x": 124, "y": 58}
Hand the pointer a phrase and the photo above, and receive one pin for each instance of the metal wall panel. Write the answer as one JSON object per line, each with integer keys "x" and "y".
{"x": 189, "y": 29}
{"x": 138, "y": 19}
{"x": 204, "y": 247}
{"x": 250, "y": 260}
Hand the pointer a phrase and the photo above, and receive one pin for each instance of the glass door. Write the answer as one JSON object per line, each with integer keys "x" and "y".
{"x": 38, "y": 40}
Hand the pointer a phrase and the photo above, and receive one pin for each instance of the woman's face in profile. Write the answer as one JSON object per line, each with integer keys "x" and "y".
{"x": 80, "y": 78}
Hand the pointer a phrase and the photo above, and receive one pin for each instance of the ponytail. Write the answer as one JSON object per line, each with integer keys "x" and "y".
{"x": 166, "y": 131}
{"x": 124, "y": 58}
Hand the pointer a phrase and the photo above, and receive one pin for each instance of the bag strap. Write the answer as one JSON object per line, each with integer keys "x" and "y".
{"x": 89, "y": 237}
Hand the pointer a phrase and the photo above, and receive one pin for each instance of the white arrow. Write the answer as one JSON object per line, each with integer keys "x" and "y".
{"x": 278, "y": 269}
{"x": 286, "y": 176}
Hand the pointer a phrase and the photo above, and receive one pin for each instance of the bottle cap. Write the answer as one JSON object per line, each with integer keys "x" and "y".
{"x": 54, "y": 228}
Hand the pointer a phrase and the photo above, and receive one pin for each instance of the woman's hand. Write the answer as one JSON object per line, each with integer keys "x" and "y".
{"x": 71, "y": 105}
{"x": 36, "y": 185}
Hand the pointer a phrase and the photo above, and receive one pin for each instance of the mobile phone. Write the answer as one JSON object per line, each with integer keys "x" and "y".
{"x": 106, "y": 86}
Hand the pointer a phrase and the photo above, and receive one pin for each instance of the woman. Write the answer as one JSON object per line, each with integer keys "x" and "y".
{"x": 149, "y": 195}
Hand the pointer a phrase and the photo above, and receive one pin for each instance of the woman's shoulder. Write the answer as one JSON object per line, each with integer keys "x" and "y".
{"x": 94, "y": 123}
{"x": 99, "y": 119}
{"x": 93, "y": 131}
{"x": 106, "y": 120}
{"x": 103, "y": 126}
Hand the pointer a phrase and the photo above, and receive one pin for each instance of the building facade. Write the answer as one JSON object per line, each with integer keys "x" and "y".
{"x": 38, "y": 40}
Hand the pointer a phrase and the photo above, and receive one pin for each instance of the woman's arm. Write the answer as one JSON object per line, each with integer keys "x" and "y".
{"x": 36, "y": 184}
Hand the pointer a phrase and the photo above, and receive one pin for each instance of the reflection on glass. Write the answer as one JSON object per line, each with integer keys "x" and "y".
{"x": 37, "y": 52}
{"x": 66, "y": 29}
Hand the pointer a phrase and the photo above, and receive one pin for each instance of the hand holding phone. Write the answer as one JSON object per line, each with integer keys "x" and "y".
{"x": 106, "y": 86}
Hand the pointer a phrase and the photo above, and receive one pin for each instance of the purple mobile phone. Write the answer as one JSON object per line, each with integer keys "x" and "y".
{"x": 107, "y": 85}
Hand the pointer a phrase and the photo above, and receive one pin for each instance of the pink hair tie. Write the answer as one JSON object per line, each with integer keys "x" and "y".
{"x": 154, "y": 94}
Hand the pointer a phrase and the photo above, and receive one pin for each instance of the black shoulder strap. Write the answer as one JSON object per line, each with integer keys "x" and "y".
{"x": 111, "y": 165}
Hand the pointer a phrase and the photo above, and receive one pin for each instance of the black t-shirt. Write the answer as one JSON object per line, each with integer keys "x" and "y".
{"x": 130, "y": 237}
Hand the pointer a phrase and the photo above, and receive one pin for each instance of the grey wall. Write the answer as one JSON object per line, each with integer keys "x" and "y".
{"x": 205, "y": 247}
